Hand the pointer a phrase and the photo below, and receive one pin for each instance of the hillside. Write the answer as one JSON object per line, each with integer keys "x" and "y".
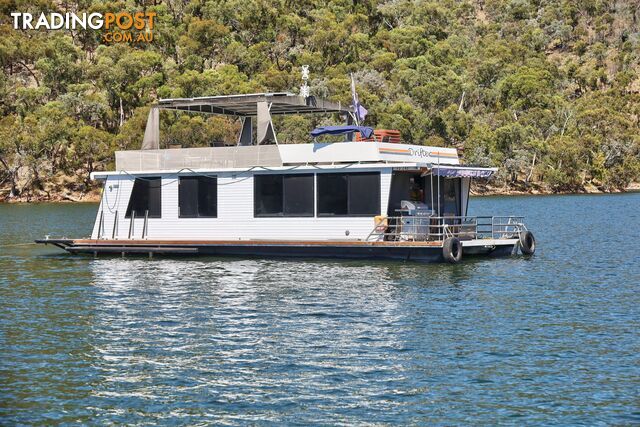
{"x": 549, "y": 91}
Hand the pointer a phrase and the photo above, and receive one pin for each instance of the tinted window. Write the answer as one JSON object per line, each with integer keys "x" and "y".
{"x": 333, "y": 194}
{"x": 145, "y": 197}
{"x": 451, "y": 196}
{"x": 207, "y": 196}
{"x": 267, "y": 195}
{"x": 298, "y": 195}
{"x": 283, "y": 195}
{"x": 364, "y": 194}
{"x": 349, "y": 194}
{"x": 187, "y": 197}
{"x": 198, "y": 197}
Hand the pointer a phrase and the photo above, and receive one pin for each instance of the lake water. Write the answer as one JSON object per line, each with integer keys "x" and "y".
{"x": 553, "y": 339}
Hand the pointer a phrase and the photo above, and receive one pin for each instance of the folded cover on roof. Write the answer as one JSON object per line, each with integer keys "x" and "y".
{"x": 341, "y": 130}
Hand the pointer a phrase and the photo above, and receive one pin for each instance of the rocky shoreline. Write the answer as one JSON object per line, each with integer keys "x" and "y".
{"x": 539, "y": 190}
{"x": 93, "y": 195}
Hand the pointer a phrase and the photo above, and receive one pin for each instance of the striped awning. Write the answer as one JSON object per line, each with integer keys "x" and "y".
{"x": 463, "y": 171}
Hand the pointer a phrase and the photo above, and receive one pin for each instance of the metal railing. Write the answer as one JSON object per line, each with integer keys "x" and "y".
{"x": 101, "y": 225}
{"x": 439, "y": 228}
{"x": 132, "y": 223}
{"x": 145, "y": 225}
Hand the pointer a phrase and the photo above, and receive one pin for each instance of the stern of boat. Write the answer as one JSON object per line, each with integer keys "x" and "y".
{"x": 471, "y": 235}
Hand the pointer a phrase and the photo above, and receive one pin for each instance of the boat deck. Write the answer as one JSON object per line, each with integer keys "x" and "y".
{"x": 405, "y": 250}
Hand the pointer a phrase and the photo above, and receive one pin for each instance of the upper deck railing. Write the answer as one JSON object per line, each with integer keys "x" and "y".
{"x": 215, "y": 158}
{"x": 198, "y": 158}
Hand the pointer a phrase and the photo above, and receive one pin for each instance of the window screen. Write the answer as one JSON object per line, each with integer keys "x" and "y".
{"x": 364, "y": 194}
{"x": 145, "y": 196}
{"x": 451, "y": 196}
{"x": 283, "y": 195}
{"x": 267, "y": 195}
{"x": 207, "y": 196}
{"x": 333, "y": 194}
{"x": 198, "y": 197}
{"x": 298, "y": 195}
{"x": 353, "y": 194}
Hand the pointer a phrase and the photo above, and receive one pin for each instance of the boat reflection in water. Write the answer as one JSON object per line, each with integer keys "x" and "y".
{"x": 260, "y": 333}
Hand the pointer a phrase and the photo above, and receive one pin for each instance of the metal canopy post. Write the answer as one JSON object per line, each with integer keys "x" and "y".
{"x": 431, "y": 178}
{"x": 439, "y": 212}
{"x": 151, "y": 140}
{"x": 265, "y": 125}
{"x": 246, "y": 133}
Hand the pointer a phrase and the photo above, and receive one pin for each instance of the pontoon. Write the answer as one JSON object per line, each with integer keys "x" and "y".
{"x": 369, "y": 196}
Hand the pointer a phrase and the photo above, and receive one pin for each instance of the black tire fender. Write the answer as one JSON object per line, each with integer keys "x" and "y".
{"x": 452, "y": 250}
{"x": 527, "y": 243}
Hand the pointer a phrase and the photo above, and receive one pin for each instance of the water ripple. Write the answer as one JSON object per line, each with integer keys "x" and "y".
{"x": 551, "y": 339}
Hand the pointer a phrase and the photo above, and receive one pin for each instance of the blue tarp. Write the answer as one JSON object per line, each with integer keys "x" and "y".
{"x": 366, "y": 132}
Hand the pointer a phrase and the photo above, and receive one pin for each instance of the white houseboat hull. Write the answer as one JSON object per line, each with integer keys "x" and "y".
{"x": 360, "y": 199}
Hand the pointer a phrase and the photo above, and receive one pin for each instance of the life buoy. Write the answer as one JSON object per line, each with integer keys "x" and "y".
{"x": 527, "y": 243}
{"x": 452, "y": 250}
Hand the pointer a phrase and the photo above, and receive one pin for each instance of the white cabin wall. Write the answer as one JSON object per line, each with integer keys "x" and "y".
{"x": 96, "y": 222}
{"x": 115, "y": 198}
{"x": 235, "y": 214}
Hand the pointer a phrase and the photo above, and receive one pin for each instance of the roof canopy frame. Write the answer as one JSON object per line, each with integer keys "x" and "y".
{"x": 245, "y": 107}
{"x": 282, "y": 103}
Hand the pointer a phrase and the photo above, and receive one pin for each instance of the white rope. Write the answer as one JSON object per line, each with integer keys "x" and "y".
{"x": 122, "y": 171}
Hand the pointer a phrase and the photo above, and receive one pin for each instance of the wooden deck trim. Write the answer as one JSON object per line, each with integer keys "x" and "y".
{"x": 147, "y": 243}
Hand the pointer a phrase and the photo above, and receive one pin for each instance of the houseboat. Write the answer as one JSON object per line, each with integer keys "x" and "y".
{"x": 365, "y": 195}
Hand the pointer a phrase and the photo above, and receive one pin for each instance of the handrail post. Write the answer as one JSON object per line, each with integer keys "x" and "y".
{"x": 493, "y": 235}
{"x": 132, "y": 222}
{"x": 101, "y": 225}
{"x": 145, "y": 225}
{"x": 114, "y": 233}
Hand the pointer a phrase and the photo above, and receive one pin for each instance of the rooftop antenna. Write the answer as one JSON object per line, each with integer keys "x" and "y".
{"x": 304, "y": 89}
